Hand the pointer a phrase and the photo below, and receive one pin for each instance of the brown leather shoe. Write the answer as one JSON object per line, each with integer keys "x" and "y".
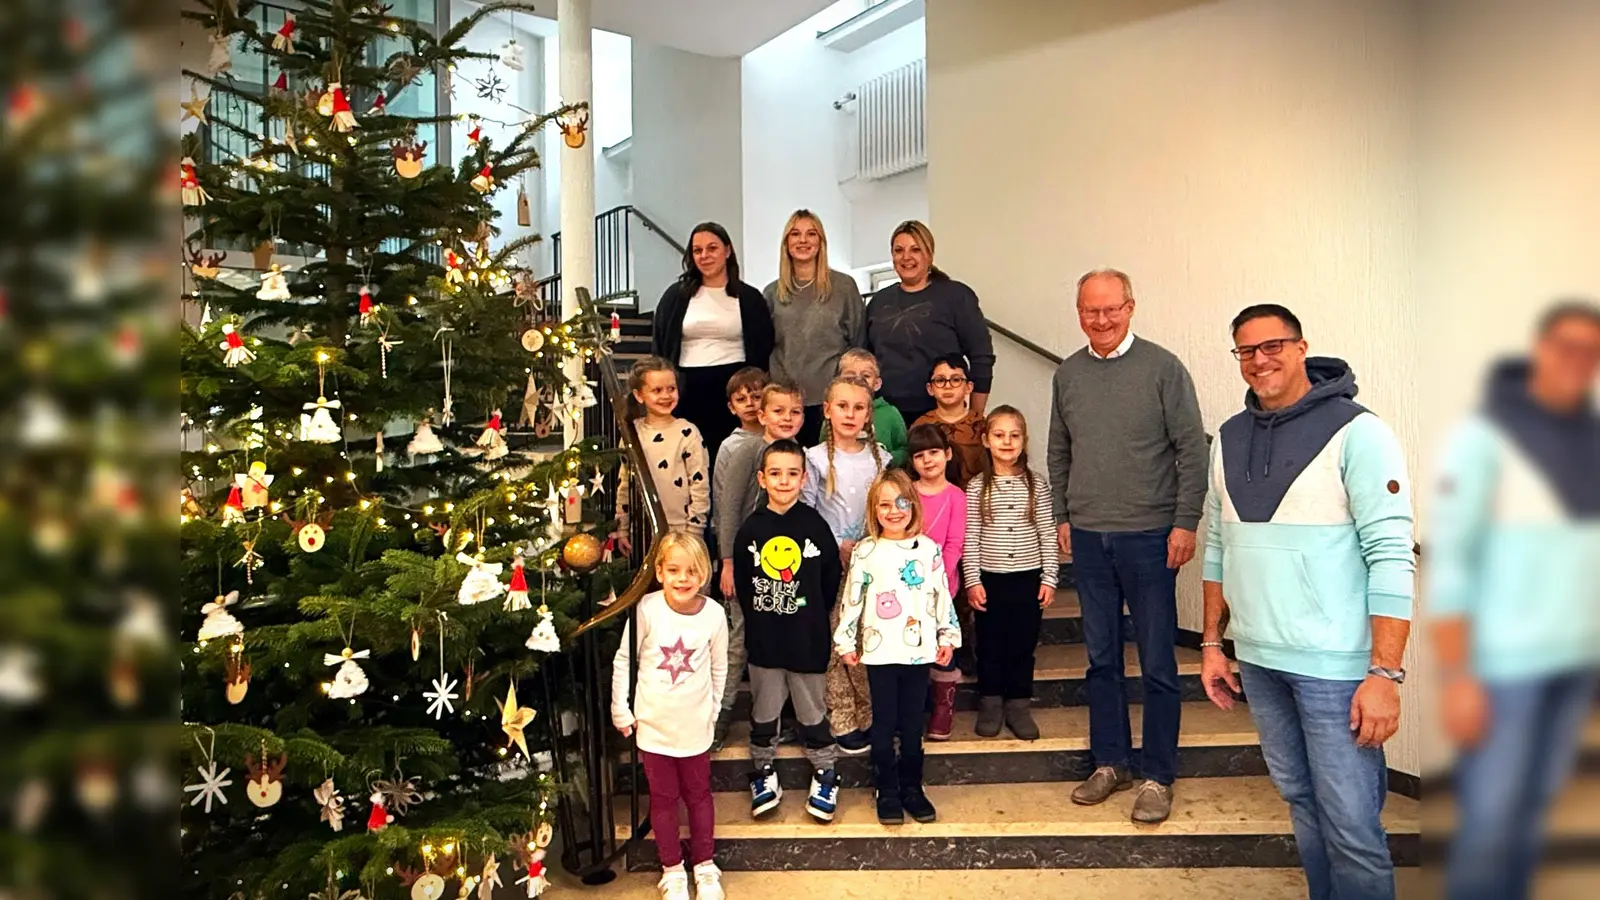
{"x": 1153, "y": 803}
{"x": 1105, "y": 781}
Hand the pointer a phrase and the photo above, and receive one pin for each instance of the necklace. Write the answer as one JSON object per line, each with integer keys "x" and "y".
{"x": 802, "y": 285}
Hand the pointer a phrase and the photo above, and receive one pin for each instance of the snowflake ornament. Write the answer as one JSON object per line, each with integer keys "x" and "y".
{"x": 439, "y": 698}
{"x": 210, "y": 787}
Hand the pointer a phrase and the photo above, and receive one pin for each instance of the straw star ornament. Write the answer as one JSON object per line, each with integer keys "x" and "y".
{"x": 514, "y": 718}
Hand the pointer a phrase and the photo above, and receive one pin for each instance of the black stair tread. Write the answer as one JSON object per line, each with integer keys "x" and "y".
{"x": 1012, "y": 884}
{"x": 1245, "y": 805}
{"x": 1066, "y": 662}
{"x": 1063, "y": 728}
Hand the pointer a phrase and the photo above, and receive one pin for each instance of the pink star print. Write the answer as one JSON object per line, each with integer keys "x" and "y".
{"x": 675, "y": 659}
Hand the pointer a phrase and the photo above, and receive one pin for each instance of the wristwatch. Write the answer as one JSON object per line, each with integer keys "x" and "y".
{"x": 1398, "y": 676}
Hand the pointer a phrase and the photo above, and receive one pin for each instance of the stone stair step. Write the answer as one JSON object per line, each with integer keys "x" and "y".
{"x": 1573, "y": 825}
{"x": 1058, "y": 679}
{"x": 1037, "y": 884}
{"x": 1212, "y": 743}
{"x": 1216, "y": 822}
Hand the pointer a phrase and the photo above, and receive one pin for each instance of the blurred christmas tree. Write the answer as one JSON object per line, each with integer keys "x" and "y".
{"x": 355, "y": 476}
{"x": 85, "y": 361}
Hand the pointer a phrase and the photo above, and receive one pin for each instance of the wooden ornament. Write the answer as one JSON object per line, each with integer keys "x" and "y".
{"x": 262, "y": 254}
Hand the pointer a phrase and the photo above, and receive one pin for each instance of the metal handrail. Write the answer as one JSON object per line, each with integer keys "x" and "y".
{"x": 655, "y": 516}
{"x": 1024, "y": 343}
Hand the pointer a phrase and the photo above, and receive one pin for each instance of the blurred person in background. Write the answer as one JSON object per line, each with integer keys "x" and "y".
{"x": 1309, "y": 550}
{"x": 1512, "y": 588}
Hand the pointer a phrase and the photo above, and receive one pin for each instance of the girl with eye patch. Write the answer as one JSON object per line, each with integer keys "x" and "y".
{"x": 897, "y": 621}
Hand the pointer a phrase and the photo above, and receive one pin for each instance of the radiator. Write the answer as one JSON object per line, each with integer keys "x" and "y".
{"x": 891, "y": 123}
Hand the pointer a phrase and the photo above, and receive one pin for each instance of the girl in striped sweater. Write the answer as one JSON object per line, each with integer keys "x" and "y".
{"x": 1010, "y": 568}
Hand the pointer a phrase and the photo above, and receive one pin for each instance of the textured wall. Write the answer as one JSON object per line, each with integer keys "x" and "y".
{"x": 1223, "y": 153}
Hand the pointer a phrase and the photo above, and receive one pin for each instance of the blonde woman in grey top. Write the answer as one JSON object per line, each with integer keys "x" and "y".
{"x": 817, "y": 315}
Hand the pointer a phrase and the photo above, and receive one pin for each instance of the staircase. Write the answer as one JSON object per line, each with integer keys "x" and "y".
{"x": 1004, "y": 804}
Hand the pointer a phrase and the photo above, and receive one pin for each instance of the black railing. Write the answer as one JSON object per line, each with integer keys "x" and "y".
{"x": 591, "y": 843}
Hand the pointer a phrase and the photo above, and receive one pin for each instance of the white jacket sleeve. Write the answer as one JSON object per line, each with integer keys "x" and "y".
{"x": 621, "y": 714}
{"x": 719, "y": 658}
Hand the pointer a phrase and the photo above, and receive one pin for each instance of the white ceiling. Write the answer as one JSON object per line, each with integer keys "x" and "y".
{"x": 709, "y": 27}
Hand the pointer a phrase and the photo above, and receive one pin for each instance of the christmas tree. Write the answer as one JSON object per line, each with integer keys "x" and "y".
{"x": 372, "y": 550}
{"x": 85, "y": 541}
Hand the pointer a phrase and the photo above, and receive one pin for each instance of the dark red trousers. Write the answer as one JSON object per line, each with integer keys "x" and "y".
{"x": 680, "y": 778}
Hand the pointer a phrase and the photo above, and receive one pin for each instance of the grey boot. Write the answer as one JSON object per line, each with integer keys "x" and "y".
{"x": 1019, "y": 719}
{"x": 989, "y": 716}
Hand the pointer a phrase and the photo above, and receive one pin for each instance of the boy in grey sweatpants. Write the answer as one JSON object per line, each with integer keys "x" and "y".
{"x": 786, "y": 574}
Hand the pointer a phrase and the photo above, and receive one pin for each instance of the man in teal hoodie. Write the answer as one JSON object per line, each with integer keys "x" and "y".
{"x": 1309, "y": 558}
{"x": 1512, "y": 589}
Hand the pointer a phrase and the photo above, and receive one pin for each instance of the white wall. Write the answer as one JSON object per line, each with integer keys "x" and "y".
{"x": 610, "y": 121}
{"x": 686, "y": 155}
{"x": 1223, "y": 153}
{"x": 876, "y": 207}
{"x": 523, "y": 89}
{"x": 1510, "y": 192}
{"x": 792, "y": 141}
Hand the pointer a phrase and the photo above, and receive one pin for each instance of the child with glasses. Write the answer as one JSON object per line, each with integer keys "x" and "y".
{"x": 950, "y": 385}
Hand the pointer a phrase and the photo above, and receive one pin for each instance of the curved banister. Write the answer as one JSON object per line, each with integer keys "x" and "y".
{"x": 655, "y": 517}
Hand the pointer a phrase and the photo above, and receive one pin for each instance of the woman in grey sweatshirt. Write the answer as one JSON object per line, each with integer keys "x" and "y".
{"x": 817, "y": 315}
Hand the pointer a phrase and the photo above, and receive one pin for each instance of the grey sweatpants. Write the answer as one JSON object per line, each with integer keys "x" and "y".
{"x": 736, "y": 652}
{"x": 769, "y": 688}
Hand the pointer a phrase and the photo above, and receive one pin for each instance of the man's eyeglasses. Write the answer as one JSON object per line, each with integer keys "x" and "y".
{"x": 1108, "y": 313}
{"x": 1266, "y": 348}
{"x": 953, "y": 381}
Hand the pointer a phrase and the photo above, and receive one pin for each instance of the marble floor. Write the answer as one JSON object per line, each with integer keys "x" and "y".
{"x": 1240, "y": 805}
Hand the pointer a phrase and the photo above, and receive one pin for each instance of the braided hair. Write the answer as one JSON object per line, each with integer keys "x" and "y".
{"x": 869, "y": 434}
{"x": 984, "y": 510}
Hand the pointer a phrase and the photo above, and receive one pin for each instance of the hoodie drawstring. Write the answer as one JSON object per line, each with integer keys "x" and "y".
{"x": 1266, "y": 468}
{"x": 1250, "y": 453}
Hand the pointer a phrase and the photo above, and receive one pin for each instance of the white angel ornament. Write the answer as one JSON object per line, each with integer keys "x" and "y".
{"x": 424, "y": 441}
{"x": 544, "y": 638}
{"x": 482, "y": 581}
{"x": 350, "y": 680}
{"x": 319, "y": 426}
{"x": 511, "y": 55}
{"x": 274, "y": 285}
{"x": 219, "y": 622}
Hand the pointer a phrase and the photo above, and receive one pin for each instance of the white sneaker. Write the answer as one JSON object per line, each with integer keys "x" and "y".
{"x": 708, "y": 882}
{"x": 674, "y": 884}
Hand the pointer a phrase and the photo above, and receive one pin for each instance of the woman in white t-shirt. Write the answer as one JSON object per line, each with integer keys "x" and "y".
{"x": 710, "y": 325}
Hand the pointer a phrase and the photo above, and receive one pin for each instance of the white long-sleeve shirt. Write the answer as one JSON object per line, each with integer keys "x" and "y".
{"x": 683, "y": 667}
{"x": 897, "y": 607}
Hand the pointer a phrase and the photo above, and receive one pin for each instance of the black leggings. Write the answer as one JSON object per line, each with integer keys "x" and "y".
{"x": 1008, "y": 632}
{"x": 899, "y": 697}
{"x": 703, "y": 400}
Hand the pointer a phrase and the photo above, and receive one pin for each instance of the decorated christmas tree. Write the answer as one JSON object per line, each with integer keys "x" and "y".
{"x": 379, "y": 504}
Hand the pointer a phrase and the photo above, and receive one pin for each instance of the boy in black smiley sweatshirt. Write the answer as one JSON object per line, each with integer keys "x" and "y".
{"x": 787, "y": 572}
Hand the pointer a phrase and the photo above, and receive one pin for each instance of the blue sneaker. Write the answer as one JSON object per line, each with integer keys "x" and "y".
{"x": 764, "y": 791}
{"x": 824, "y": 797}
{"x": 853, "y": 743}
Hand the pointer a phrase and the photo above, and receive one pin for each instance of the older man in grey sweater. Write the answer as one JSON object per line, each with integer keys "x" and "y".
{"x": 1127, "y": 466}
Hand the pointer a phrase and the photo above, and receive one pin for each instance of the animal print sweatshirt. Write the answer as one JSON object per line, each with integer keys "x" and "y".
{"x": 897, "y": 608}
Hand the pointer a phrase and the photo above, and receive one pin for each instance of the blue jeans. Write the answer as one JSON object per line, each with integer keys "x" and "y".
{"x": 1130, "y": 567}
{"x": 1504, "y": 786}
{"x": 1334, "y": 788}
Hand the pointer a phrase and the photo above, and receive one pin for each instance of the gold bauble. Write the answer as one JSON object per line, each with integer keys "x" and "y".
{"x": 581, "y": 552}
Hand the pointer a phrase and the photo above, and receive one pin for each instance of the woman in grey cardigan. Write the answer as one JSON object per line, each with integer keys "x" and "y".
{"x": 817, "y": 315}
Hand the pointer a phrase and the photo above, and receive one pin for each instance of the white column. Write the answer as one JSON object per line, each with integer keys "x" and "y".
{"x": 574, "y": 43}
